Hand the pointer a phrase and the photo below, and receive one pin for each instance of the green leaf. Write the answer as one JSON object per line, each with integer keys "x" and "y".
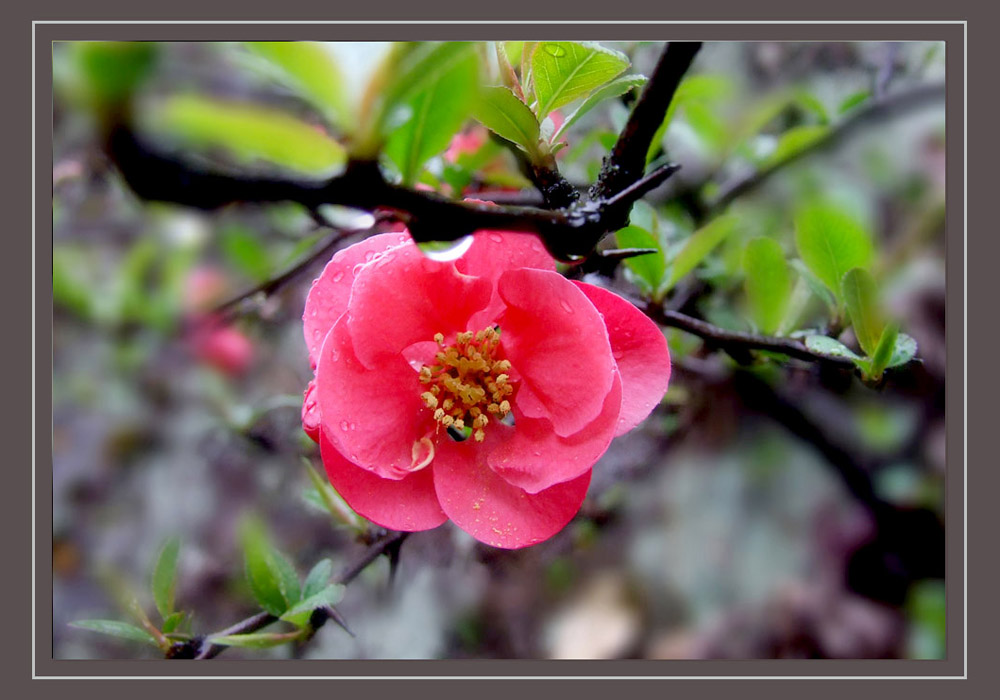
{"x": 697, "y": 88}
{"x": 768, "y": 282}
{"x": 884, "y": 349}
{"x": 648, "y": 269}
{"x": 272, "y": 579}
{"x": 314, "y": 72}
{"x": 501, "y": 112}
{"x": 708, "y": 125}
{"x": 508, "y": 76}
{"x": 905, "y": 349}
{"x": 563, "y": 71}
{"x": 300, "y": 613}
{"x": 699, "y": 245}
{"x": 794, "y": 141}
{"x": 112, "y": 70}
{"x": 256, "y": 640}
{"x": 829, "y": 346}
{"x": 165, "y": 577}
{"x": 815, "y": 285}
{"x": 860, "y": 295}
{"x": 409, "y": 69}
{"x": 618, "y": 86}
{"x": 853, "y": 101}
{"x": 318, "y": 578}
{"x": 122, "y": 630}
{"x": 172, "y": 622}
{"x": 437, "y": 111}
{"x": 831, "y": 242}
{"x": 250, "y": 133}
{"x": 811, "y": 103}
{"x": 70, "y": 289}
{"x": 245, "y": 252}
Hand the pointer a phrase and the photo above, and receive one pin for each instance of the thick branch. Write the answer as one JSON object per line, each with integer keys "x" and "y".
{"x": 569, "y": 233}
{"x": 627, "y": 161}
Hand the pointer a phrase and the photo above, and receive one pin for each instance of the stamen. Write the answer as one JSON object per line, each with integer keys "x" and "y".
{"x": 467, "y": 381}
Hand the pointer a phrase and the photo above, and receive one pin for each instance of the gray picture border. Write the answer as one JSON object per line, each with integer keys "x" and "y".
{"x": 28, "y": 644}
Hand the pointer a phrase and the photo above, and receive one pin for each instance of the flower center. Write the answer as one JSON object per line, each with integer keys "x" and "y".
{"x": 468, "y": 384}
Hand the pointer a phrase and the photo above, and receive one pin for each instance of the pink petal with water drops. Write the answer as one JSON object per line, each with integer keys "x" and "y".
{"x": 639, "y": 349}
{"x": 331, "y": 291}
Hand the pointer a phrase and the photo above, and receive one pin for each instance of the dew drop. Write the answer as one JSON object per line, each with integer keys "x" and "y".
{"x": 555, "y": 50}
{"x": 351, "y": 426}
{"x": 496, "y": 238}
{"x": 369, "y": 255}
{"x": 565, "y": 306}
{"x": 345, "y": 426}
{"x": 357, "y": 269}
{"x": 339, "y": 276}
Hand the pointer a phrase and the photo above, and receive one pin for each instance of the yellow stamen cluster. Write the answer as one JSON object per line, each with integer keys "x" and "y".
{"x": 467, "y": 384}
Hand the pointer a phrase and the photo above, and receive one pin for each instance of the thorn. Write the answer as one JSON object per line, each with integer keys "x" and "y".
{"x": 625, "y": 253}
{"x": 334, "y": 614}
{"x": 393, "y": 553}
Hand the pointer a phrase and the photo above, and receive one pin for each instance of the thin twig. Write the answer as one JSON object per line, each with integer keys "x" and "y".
{"x": 269, "y": 287}
{"x": 876, "y": 111}
{"x": 739, "y": 341}
{"x": 385, "y": 543}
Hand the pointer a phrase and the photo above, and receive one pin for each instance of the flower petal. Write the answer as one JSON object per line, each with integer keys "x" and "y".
{"x": 640, "y": 349}
{"x": 375, "y": 416}
{"x": 408, "y": 504}
{"x": 556, "y": 340}
{"x": 404, "y": 298}
{"x": 534, "y": 458}
{"x": 493, "y": 511}
{"x": 311, "y": 418}
{"x": 330, "y": 292}
{"x": 494, "y": 252}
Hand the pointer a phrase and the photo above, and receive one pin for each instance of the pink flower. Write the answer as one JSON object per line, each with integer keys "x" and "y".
{"x": 481, "y": 389}
{"x": 465, "y": 142}
{"x": 220, "y": 346}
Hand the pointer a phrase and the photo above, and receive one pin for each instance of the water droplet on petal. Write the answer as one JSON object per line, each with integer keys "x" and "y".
{"x": 357, "y": 269}
{"x": 344, "y": 425}
{"x": 369, "y": 255}
{"x": 555, "y": 50}
{"x": 351, "y": 426}
{"x": 339, "y": 276}
{"x": 565, "y": 306}
{"x": 496, "y": 238}
{"x": 453, "y": 252}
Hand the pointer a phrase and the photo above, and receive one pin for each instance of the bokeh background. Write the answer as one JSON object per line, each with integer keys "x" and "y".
{"x": 723, "y": 527}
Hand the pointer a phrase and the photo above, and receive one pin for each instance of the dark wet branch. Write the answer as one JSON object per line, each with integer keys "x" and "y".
{"x": 738, "y": 343}
{"x": 569, "y": 228}
{"x": 570, "y": 232}
{"x": 627, "y": 161}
